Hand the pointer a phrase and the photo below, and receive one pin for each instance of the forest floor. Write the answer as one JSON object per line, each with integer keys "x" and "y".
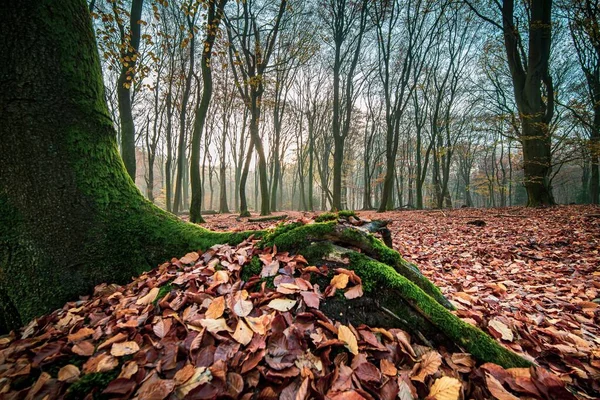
{"x": 192, "y": 329}
{"x": 529, "y": 277}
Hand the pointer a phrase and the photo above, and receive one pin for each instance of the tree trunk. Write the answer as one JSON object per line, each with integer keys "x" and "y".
{"x": 215, "y": 11}
{"x": 129, "y": 54}
{"x": 75, "y": 217}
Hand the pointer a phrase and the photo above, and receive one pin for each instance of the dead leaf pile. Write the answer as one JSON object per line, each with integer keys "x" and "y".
{"x": 192, "y": 328}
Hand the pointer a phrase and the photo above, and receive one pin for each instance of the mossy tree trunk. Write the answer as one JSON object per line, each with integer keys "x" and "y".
{"x": 71, "y": 216}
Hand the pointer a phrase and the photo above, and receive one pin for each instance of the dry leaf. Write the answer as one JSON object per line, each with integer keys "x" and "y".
{"x": 124, "y": 349}
{"x": 429, "y": 364}
{"x": 339, "y": 281}
{"x": 242, "y": 333}
{"x": 445, "y": 388}
{"x": 282, "y": 304}
{"x": 215, "y": 325}
{"x": 216, "y": 308}
{"x": 354, "y": 292}
{"x": 68, "y": 373}
{"x": 500, "y": 330}
{"x": 346, "y": 336}
{"x": 149, "y": 298}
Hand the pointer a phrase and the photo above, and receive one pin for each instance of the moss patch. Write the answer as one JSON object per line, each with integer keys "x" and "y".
{"x": 89, "y": 383}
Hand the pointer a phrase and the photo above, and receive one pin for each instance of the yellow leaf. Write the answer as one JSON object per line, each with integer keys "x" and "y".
{"x": 149, "y": 298}
{"x": 215, "y": 325}
{"x": 445, "y": 388}
{"x": 124, "y": 349}
{"x": 339, "y": 281}
{"x": 216, "y": 308}
{"x": 346, "y": 336}
{"x": 242, "y": 333}
{"x": 282, "y": 304}
{"x": 260, "y": 324}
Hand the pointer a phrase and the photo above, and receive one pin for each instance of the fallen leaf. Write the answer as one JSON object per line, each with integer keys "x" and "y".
{"x": 215, "y": 325}
{"x": 500, "y": 330}
{"x": 429, "y": 364}
{"x": 148, "y": 298}
{"x": 124, "y": 349}
{"x": 339, "y": 281}
{"x": 346, "y": 336}
{"x": 282, "y": 304}
{"x": 242, "y": 334}
{"x": 445, "y": 388}
{"x": 216, "y": 308}
{"x": 68, "y": 373}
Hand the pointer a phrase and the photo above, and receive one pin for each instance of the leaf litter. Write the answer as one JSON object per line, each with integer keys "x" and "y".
{"x": 214, "y": 336}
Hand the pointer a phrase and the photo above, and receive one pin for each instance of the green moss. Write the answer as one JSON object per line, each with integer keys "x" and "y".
{"x": 376, "y": 275}
{"x": 327, "y": 216}
{"x": 89, "y": 383}
{"x": 164, "y": 290}
{"x": 252, "y": 269}
{"x": 301, "y": 236}
{"x": 270, "y": 235}
{"x": 347, "y": 214}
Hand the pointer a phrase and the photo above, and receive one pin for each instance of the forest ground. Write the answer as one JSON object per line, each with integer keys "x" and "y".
{"x": 529, "y": 277}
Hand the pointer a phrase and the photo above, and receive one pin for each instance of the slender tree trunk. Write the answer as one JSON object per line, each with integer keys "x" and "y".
{"x": 129, "y": 55}
{"x": 213, "y": 19}
{"x": 262, "y": 162}
{"x": 243, "y": 178}
{"x": 178, "y": 201}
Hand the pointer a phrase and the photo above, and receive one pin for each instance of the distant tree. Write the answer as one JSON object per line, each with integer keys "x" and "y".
{"x": 532, "y": 85}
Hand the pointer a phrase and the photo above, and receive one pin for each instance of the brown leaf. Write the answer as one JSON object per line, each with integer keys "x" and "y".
{"x": 354, "y": 292}
{"x": 500, "y": 331}
{"x": 387, "y": 368}
{"x": 429, "y": 364}
{"x": 124, "y": 349}
{"x": 68, "y": 373}
{"x": 80, "y": 334}
{"x": 84, "y": 348}
{"x": 497, "y": 390}
{"x": 216, "y": 308}
{"x": 346, "y": 336}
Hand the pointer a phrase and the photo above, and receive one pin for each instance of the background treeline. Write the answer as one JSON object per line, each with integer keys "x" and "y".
{"x": 354, "y": 104}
